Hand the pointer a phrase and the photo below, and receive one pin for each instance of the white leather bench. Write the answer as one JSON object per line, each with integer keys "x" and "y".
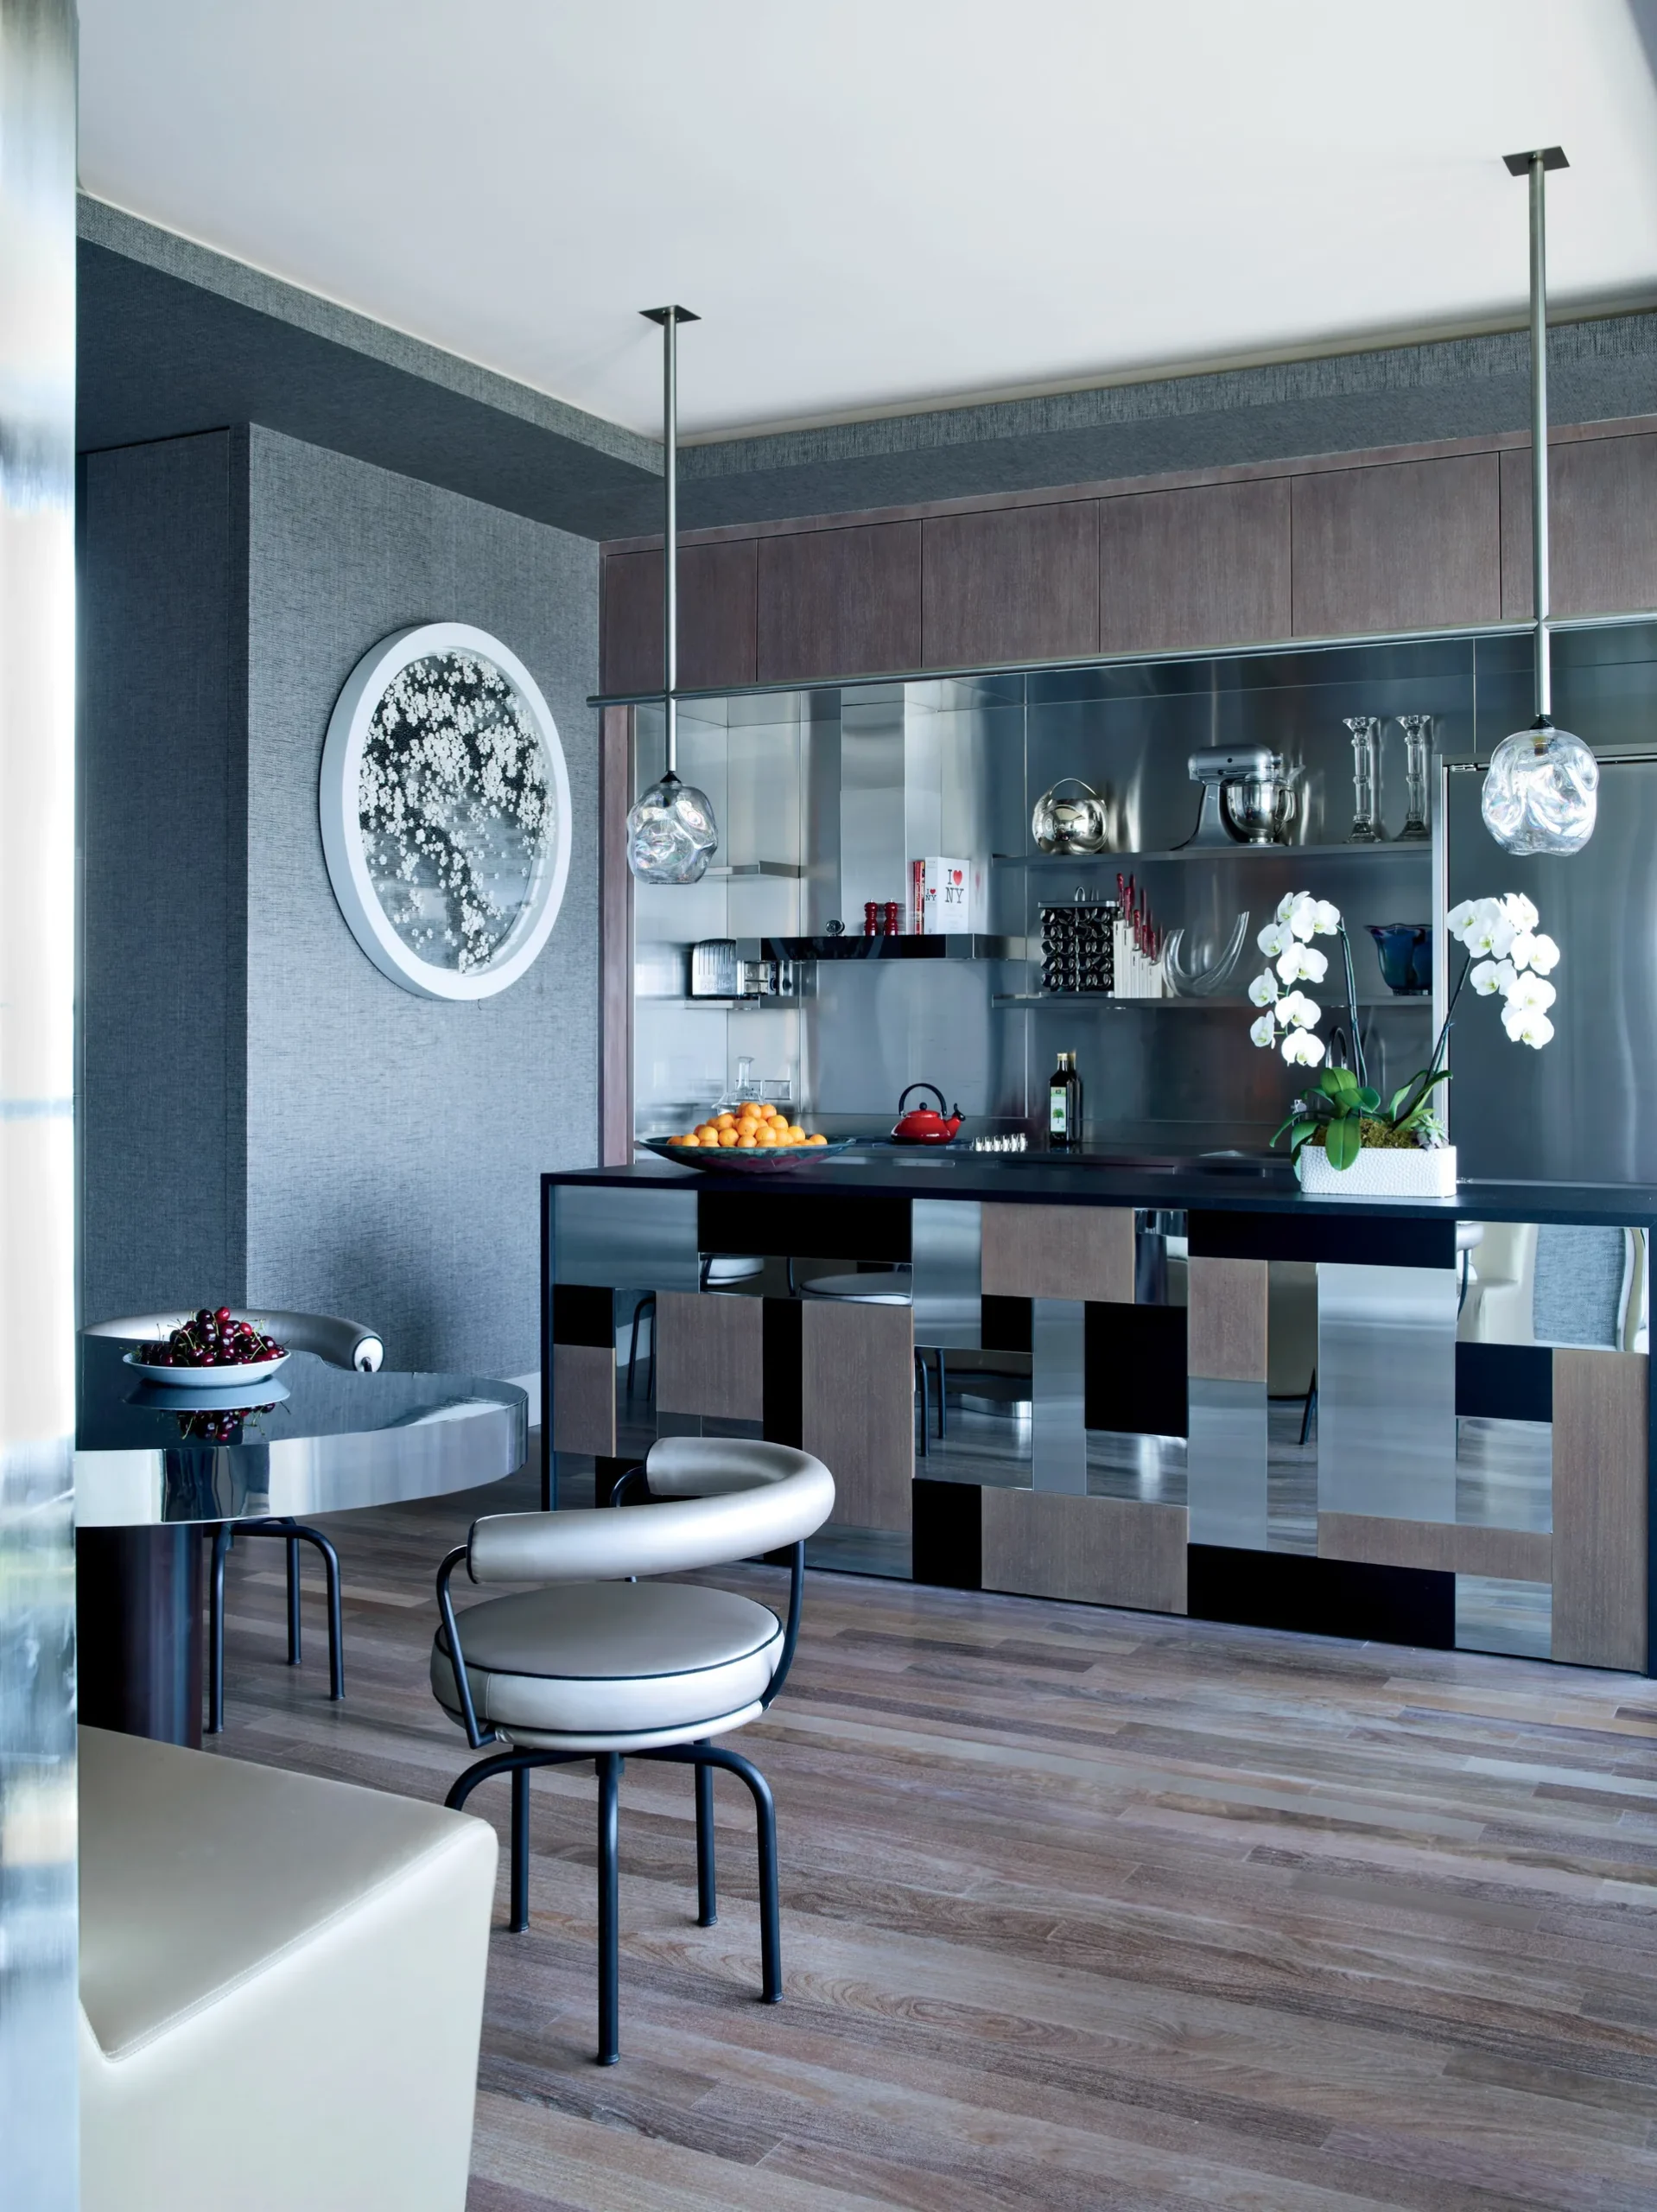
{"x": 281, "y": 1986}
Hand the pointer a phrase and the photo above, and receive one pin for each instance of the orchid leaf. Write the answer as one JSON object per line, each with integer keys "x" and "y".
{"x": 1343, "y": 1141}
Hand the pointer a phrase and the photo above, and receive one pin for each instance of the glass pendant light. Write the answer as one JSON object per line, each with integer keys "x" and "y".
{"x": 1542, "y": 792}
{"x": 671, "y": 832}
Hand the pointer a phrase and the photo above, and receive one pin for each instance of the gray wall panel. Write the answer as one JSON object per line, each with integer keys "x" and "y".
{"x": 394, "y": 1143}
{"x": 163, "y": 833}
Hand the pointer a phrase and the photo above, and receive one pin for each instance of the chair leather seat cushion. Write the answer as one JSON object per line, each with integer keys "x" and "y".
{"x": 611, "y": 1658}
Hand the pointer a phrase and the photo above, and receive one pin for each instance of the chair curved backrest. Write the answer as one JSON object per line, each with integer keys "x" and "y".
{"x": 341, "y": 1342}
{"x": 716, "y": 1499}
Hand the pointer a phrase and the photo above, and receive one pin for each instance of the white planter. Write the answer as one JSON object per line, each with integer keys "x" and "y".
{"x": 1381, "y": 1171}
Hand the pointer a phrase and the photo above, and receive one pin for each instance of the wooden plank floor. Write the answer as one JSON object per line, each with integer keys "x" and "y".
{"x": 1081, "y": 1909}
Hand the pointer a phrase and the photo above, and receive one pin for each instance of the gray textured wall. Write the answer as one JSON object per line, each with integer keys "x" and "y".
{"x": 163, "y": 922}
{"x": 394, "y": 1143}
{"x": 266, "y": 1117}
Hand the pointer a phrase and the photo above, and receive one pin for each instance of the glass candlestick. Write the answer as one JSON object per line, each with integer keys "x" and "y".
{"x": 1366, "y": 746}
{"x": 1417, "y": 750}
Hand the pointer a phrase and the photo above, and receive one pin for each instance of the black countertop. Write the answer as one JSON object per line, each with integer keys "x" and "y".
{"x": 1038, "y": 1179}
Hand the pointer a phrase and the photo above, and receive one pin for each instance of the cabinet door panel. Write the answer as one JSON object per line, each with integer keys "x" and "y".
{"x": 716, "y": 617}
{"x": 1207, "y": 566}
{"x": 839, "y": 602}
{"x": 1602, "y": 527}
{"x": 1012, "y": 583}
{"x": 1404, "y": 545}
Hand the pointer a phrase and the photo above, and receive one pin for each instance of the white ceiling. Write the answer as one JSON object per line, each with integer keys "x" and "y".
{"x": 881, "y": 203}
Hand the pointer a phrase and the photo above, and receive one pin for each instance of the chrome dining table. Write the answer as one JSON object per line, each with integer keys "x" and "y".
{"x": 155, "y": 1466}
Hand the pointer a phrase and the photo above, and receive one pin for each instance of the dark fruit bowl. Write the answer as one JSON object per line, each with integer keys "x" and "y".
{"x": 764, "y": 1160}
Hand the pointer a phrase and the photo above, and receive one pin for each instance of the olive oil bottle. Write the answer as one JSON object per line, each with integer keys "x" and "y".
{"x": 1064, "y": 1106}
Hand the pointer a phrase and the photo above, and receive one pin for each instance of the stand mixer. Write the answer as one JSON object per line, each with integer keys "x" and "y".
{"x": 1246, "y": 797}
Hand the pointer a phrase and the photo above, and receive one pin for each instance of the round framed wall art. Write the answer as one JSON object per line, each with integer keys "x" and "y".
{"x": 445, "y": 807}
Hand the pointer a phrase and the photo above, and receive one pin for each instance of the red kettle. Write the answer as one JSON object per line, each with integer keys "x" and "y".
{"x": 923, "y": 1126}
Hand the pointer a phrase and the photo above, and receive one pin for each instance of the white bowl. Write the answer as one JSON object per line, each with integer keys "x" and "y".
{"x": 232, "y": 1373}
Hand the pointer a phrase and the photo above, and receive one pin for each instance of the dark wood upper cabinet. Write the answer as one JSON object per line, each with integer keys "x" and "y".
{"x": 1204, "y": 566}
{"x": 1010, "y": 583}
{"x": 1602, "y": 527}
{"x": 839, "y": 602}
{"x": 1402, "y": 546}
{"x": 716, "y": 618}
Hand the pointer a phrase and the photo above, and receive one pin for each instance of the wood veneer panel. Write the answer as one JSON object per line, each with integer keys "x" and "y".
{"x": 1226, "y": 1320}
{"x": 839, "y": 602}
{"x": 615, "y": 939}
{"x": 584, "y": 1399}
{"x": 1207, "y": 566}
{"x": 1011, "y": 583}
{"x": 1412, "y": 546}
{"x": 1601, "y": 1470}
{"x": 709, "y": 1355}
{"x": 857, "y": 1406}
{"x": 1371, "y": 1539}
{"x": 1602, "y": 527}
{"x": 1099, "y": 1551}
{"x": 1083, "y": 1252}
{"x": 716, "y": 617}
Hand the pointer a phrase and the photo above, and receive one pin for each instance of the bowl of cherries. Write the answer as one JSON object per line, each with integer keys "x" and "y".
{"x": 209, "y": 1348}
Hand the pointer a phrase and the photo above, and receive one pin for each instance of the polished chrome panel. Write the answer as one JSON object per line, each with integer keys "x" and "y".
{"x": 1387, "y": 1391}
{"x": 1225, "y": 1482}
{"x": 1058, "y": 1436}
{"x": 640, "y": 1239}
{"x": 946, "y": 1248}
{"x": 39, "y": 2130}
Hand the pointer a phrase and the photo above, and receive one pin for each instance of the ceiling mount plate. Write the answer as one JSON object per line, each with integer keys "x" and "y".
{"x": 1552, "y": 158}
{"x": 683, "y": 315}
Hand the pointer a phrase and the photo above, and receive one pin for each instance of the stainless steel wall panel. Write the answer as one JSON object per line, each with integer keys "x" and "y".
{"x": 1226, "y": 1457}
{"x": 1058, "y": 1435}
{"x": 38, "y": 2116}
{"x": 1387, "y": 1391}
{"x": 946, "y": 1248}
{"x": 625, "y": 1240}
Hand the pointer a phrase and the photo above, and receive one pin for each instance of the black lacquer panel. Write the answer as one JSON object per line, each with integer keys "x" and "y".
{"x": 583, "y": 1314}
{"x": 1005, "y": 1324}
{"x": 1505, "y": 1382}
{"x": 948, "y": 1535}
{"x": 782, "y": 1378}
{"x": 1134, "y": 1366}
{"x": 817, "y": 1223}
{"x": 1356, "y": 1240}
{"x": 1322, "y": 1596}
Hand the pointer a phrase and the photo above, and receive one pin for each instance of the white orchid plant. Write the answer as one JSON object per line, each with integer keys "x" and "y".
{"x": 1508, "y": 957}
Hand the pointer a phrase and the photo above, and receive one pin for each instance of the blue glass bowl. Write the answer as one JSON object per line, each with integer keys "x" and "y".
{"x": 1405, "y": 949}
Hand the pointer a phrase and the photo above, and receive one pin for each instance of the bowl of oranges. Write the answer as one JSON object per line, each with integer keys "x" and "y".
{"x": 751, "y": 1137}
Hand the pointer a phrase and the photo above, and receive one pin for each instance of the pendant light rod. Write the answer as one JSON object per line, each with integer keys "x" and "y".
{"x": 1534, "y": 166}
{"x": 669, "y": 319}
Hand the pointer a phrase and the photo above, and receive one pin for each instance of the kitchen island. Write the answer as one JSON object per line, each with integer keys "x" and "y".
{"x": 1102, "y": 1333}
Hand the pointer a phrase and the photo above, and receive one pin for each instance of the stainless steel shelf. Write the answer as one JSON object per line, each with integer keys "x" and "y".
{"x": 1062, "y": 863}
{"x": 1103, "y": 999}
{"x": 895, "y": 948}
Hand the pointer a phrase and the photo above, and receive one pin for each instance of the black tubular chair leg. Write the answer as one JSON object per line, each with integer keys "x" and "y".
{"x": 771, "y": 1917}
{"x": 706, "y": 1885}
{"x": 222, "y": 1538}
{"x": 943, "y": 1398}
{"x": 1309, "y": 1414}
{"x": 609, "y": 1772}
{"x": 924, "y": 1384}
{"x": 294, "y": 1624}
{"x": 520, "y": 1919}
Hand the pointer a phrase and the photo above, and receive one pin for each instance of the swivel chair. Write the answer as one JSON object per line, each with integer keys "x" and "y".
{"x": 595, "y": 1666}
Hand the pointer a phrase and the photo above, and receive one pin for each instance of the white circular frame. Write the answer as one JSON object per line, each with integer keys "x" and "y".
{"x": 342, "y": 837}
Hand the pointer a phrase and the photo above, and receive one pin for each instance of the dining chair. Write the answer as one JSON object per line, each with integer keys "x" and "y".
{"x": 596, "y": 1664}
{"x": 341, "y": 1343}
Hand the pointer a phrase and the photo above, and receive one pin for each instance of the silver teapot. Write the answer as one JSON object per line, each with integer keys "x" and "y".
{"x": 1070, "y": 826}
